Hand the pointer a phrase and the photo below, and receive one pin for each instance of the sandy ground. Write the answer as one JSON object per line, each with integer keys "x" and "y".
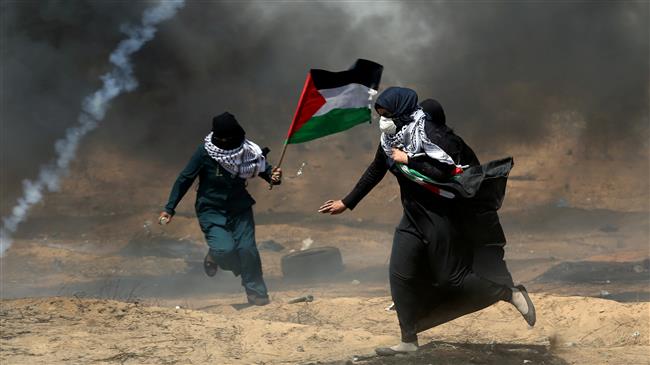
{"x": 91, "y": 278}
{"x": 81, "y": 301}
{"x": 81, "y": 331}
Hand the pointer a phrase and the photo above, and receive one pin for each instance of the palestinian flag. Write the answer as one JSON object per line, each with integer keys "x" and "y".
{"x": 425, "y": 181}
{"x": 332, "y": 102}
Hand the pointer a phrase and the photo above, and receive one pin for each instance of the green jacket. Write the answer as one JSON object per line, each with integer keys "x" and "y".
{"x": 218, "y": 189}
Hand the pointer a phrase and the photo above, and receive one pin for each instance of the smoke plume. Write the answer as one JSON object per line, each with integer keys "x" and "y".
{"x": 507, "y": 73}
{"x": 119, "y": 80}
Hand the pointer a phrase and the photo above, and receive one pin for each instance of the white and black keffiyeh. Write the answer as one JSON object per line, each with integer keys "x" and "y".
{"x": 413, "y": 140}
{"x": 245, "y": 161}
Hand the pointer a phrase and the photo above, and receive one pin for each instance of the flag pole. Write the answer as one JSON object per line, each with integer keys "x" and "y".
{"x": 293, "y": 121}
{"x": 284, "y": 150}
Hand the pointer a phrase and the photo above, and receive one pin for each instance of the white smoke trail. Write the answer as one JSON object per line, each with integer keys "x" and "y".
{"x": 120, "y": 79}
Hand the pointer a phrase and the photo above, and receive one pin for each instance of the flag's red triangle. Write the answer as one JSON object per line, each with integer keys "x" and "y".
{"x": 310, "y": 101}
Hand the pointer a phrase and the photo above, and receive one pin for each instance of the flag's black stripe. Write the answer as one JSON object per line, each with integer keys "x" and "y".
{"x": 363, "y": 72}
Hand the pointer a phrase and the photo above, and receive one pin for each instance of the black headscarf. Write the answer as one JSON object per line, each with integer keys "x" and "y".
{"x": 227, "y": 134}
{"x": 401, "y": 102}
{"x": 435, "y": 111}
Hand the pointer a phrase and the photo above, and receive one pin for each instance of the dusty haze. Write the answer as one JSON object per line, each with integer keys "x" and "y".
{"x": 562, "y": 87}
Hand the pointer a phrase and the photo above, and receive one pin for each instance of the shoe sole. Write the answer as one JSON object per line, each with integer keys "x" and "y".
{"x": 210, "y": 268}
{"x": 258, "y": 301}
{"x": 387, "y": 351}
{"x": 531, "y": 316}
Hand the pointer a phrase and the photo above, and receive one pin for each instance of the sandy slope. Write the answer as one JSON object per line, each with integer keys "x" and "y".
{"x": 81, "y": 331}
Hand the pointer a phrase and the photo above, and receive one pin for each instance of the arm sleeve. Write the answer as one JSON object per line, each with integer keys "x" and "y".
{"x": 266, "y": 174}
{"x": 370, "y": 178}
{"x": 184, "y": 181}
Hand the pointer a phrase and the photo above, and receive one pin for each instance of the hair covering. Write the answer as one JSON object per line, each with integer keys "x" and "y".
{"x": 435, "y": 111}
{"x": 225, "y": 126}
{"x": 399, "y": 101}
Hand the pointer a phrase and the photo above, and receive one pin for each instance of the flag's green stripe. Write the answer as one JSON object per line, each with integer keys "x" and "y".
{"x": 337, "y": 120}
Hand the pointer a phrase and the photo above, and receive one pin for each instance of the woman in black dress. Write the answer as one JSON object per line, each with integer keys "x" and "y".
{"x": 429, "y": 264}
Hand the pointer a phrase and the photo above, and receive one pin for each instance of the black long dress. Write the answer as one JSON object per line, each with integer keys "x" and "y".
{"x": 431, "y": 275}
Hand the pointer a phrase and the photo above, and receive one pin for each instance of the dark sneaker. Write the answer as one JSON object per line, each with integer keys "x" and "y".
{"x": 210, "y": 266}
{"x": 258, "y": 300}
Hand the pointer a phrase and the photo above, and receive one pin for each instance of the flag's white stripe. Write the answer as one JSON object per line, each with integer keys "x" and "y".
{"x": 344, "y": 97}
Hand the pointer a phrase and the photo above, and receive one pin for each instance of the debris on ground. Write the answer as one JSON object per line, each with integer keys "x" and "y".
{"x": 306, "y": 244}
{"x": 270, "y": 245}
{"x": 604, "y": 294}
{"x": 304, "y": 299}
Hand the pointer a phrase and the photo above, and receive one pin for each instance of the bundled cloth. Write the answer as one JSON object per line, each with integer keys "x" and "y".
{"x": 484, "y": 184}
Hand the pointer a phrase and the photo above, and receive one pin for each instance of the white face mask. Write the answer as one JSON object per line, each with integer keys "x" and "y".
{"x": 386, "y": 125}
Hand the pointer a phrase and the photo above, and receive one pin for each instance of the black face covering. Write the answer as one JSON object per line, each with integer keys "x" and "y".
{"x": 402, "y": 121}
{"x": 400, "y": 102}
{"x": 227, "y": 134}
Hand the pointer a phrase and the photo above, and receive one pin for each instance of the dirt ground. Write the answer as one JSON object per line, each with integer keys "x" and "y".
{"x": 90, "y": 279}
{"x": 57, "y": 330}
{"x": 145, "y": 300}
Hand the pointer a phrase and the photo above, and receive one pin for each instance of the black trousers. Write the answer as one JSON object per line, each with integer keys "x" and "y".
{"x": 428, "y": 273}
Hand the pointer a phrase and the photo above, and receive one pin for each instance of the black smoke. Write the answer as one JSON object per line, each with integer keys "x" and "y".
{"x": 502, "y": 70}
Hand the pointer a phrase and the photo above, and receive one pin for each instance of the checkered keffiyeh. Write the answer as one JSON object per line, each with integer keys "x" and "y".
{"x": 413, "y": 140}
{"x": 245, "y": 161}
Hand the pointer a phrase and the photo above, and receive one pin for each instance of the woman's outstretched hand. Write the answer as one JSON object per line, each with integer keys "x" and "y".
{"x": 332, "y": 207}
